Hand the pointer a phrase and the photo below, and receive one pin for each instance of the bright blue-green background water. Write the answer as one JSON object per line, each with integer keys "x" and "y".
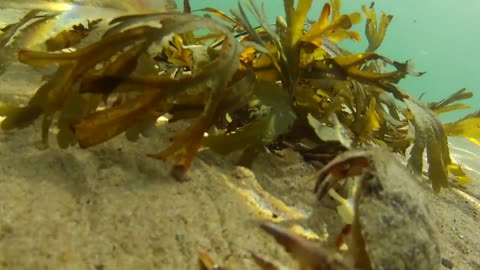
{"x": 441, "y": 37}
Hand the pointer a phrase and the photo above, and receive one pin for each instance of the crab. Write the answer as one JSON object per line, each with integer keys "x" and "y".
{"x": 391, "y": 227}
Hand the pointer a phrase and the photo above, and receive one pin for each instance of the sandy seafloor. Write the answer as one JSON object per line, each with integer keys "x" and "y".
{"x": 110, "y": 207}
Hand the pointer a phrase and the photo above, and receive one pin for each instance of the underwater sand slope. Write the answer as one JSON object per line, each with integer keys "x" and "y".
{"x": 111, "y": 208}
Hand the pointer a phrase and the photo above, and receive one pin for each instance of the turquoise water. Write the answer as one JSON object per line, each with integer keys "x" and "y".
{"x": 441, "y": 37}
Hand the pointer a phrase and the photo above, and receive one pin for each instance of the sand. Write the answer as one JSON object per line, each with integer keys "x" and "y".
{"x": 110, "y": 207}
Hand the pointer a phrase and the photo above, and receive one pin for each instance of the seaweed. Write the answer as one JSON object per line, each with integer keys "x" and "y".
{"x": 374, "y": 31}
{"x": 429, "y": 135}
{"x": 71, "y": 37}
{"x": 247, "y": 84}
{"x": 10, "y": 35}
{"x": 468, "y": 127}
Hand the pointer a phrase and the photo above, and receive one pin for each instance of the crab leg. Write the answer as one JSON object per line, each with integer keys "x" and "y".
{"x": 309, "y": 254}
{"x": 348, "y": 164}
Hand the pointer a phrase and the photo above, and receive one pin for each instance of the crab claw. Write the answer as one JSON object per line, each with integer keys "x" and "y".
{"x": 348, "y": 164}
{"x": 309, "y": 254}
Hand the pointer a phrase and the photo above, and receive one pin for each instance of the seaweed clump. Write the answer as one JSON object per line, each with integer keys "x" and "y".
{"x": 248, "y": 87}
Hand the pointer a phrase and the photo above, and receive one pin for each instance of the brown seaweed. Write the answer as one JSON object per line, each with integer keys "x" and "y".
{"x": 375, "y": 31}
{"x": 244, "y": 85}
{"x": 72, "y": 37}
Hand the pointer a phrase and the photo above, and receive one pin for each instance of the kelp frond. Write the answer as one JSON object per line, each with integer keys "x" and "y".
{"x": 449, "y": 104}
{"x": 429, "y": 136}
{"x": 335, "y": 29}
{"x": 468, "y": 127}
{"x": 375, "y": 31}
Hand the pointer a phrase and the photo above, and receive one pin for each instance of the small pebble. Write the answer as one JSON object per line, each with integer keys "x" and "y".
{"x": 447, "y": 263}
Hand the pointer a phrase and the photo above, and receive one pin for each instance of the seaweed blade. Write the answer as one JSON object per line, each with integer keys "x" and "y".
{"x": 430, "y": 136}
